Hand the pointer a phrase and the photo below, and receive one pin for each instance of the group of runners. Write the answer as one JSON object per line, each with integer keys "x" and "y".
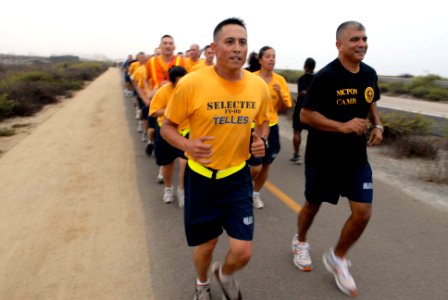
{"x": 220, "y": 122}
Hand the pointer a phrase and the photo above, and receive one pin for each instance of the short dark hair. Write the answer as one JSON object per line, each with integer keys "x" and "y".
{"x": 343, "y": 26}
{"x": 175, "y": 72}
{"x": 229, "y": 21}
{"x": 166, "y": 36}
{"x": 310, "y": 64}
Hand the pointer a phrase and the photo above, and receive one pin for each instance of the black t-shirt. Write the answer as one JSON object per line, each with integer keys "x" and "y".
{"x": 303, "y": 83}
{"x": 340, "y": 95}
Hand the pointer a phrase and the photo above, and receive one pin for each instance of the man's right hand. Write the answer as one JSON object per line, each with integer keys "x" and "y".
{"x": 199, "y": 150}
{"x": 356, "y": 125}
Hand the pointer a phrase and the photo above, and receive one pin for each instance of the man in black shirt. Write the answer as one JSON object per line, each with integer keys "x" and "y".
{"x": 340, "y": 99}
{"x": 303, "y": 83}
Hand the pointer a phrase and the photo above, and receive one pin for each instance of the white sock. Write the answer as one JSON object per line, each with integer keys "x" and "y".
{"x": 224, "y": 278}
{"x": 256, "y": 194}
{"x": 198, "y": 282}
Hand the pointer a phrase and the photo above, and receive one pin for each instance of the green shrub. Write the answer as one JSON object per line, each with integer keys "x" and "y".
{"x": 291, "y": 76}
{"x": 401, "y": 124}
{"x": 426, "y": 147}
{"x": 6, "y": 107}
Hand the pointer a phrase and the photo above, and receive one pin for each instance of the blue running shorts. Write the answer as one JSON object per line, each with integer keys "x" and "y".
{"x": 327, "y": 185}
{"x": 214, "y": 205}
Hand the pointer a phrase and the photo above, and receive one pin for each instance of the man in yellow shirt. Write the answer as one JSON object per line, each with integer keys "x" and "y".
{"x": 220, "y": 103}
{"x": 164, "y": 152}
{"x": 209, "y": 57}
{"x": 194, "y": 57}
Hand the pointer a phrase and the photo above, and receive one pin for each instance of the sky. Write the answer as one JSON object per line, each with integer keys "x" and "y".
{"x": 405, "y": 37}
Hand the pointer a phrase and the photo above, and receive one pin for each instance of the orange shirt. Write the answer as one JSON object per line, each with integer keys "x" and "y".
{"x": 158, "y": 69}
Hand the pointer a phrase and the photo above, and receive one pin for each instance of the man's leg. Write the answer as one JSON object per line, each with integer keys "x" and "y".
{"x": 237, "y": 257}
{"x": 305, "y": 219}
{"x": 202, "y": 257}
{"x": 353, "y": 227}
{"x": 296, "y": 141}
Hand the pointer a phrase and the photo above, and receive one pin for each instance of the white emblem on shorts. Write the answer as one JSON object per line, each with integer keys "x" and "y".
{"x": 367, "y": 186}
{"x": 248, "y": 220}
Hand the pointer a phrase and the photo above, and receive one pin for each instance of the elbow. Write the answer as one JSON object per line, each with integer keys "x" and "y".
{"x": 304, "y": 116}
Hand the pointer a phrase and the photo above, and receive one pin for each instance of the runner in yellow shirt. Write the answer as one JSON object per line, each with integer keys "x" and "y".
{"x": 194, "y": 57}
{"x": 220, "y": 102}
{"x": 280, "y": 101}
{"x": 209, "y": 56}
{"x": 164, "y": 152}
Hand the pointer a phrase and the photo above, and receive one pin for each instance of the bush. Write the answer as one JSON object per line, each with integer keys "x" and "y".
{"x": 426, "y": 147}
{"x": 25, "y": 89}
{"x": 6, "y": 107}
{"x": 291, "y": 76}
{"x": 397, "y": 125}
{"x": 422, "y": 87}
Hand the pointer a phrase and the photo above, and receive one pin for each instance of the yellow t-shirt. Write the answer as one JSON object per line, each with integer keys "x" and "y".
{"x": 160, "y": 100}
{"x": 198, "y": 66}
{"x": 222, "y": 109}
{"x": 190, "y": 64}
{"x": 132, "y": 67}
{"x": 284, "y": 89}
{"x": 140, "y": 75}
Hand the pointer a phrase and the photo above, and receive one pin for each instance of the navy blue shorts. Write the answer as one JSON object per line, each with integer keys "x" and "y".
{"x": 152, "y": 122}
{"x": 212, "y": 205}
{"x": 164, "y": 152}
{"x": 327, "y": 185}
{"x": 272, "y": 151}
{"x": 127, "y": 78}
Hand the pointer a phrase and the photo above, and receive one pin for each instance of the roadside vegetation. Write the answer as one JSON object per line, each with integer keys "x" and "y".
{"x": 410, "y": 136}
{"x": 25, "y": 89}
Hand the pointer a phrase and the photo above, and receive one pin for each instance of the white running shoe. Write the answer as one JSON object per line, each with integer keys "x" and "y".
{"x": 168, "y": 195}
{"x": 231, "y": 289}
{"x": 138, "y": 114}
{"x": 202, "y": 292}
{"x": 302, "y": 258}
{"x": 140, "y": 126}
{"x": 257, "y": 202}
{"x": 181, "y": 197}
{"x": 339, "y": 268}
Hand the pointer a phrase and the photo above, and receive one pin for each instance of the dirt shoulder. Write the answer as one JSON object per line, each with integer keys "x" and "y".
{"x": 71, "y": 219}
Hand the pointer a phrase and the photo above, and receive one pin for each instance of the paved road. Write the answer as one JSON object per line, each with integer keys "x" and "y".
{"x": 401, "y": 256}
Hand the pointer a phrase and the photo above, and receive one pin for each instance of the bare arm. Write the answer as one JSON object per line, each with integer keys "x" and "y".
{"x": 319, "y": 121}
{"x": 257, "y": 147}
{"x": 198, "y": 149}
{"x": 376, "y": 136}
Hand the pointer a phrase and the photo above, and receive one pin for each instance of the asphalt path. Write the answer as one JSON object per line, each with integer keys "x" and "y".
{"x": 402, "y": 254}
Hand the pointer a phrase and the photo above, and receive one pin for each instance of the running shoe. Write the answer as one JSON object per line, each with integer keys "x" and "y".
{"x": 140, "y": 126}
{"x": 168, "y": 195}
{"x": 296, "y": 160}
{"x": 257, "y": 202}
{"x": 202, "y": 292}
{"x": 231, "y": 289}
{"x": 181, "y": 197}
{"x": 339, "y": 268}
{"x": 302, "y": 258}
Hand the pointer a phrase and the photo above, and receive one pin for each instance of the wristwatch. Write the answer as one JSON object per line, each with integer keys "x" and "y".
{"x": 380, "y": 127}
{"x": 266, "y": 143}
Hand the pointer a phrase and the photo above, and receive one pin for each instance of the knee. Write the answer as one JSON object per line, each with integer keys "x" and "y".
{"x": 361, "y": 217}
{"x": 243, "y": 253}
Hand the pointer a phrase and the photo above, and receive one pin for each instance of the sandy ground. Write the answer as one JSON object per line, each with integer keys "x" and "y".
{"x": 71, "y": 221}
